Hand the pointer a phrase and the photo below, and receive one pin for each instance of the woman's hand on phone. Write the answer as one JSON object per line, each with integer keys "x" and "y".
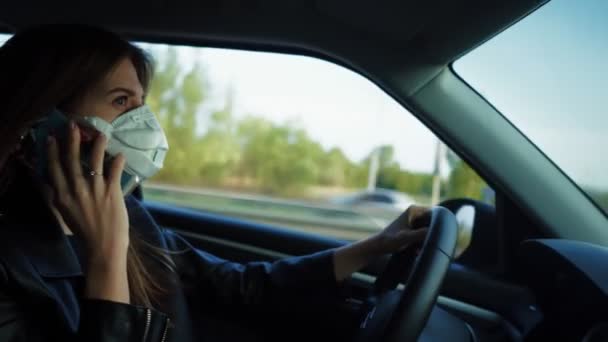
{"x": 91, "y": 203}
{"x": 92, "y": 206}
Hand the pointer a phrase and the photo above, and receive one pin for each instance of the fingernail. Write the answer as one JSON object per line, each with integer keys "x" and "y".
{"x": 50, "y": 139}
{"x": 72, "y": 124}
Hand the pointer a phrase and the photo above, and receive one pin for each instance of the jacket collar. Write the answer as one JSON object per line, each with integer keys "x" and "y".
{"x": 37, "y": 250}
{"x": 30, "y": 225}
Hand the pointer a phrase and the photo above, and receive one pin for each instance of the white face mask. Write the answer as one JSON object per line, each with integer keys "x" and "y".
{"x": 136, "y": 134}
{"x": 139, "y": 137}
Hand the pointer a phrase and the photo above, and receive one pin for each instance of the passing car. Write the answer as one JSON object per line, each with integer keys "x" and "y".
{"x": 375, "y": 202}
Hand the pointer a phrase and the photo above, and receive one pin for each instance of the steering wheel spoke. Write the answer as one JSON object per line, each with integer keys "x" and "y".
{"x": 397, "y": 270}
{"x": 390, "y": 314}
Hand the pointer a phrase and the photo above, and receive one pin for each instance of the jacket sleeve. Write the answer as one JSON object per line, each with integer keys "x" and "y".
{"x": 100, "y": 321}
{"x": 105, "y": 321}
{"x": 265, "y": 284}
{"x": 12, "y": 322}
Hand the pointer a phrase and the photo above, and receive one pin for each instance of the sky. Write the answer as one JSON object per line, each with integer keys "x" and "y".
{"x": 546, "y": 74}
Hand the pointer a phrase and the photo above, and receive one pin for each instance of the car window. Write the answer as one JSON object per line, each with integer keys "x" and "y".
{"x": 547, "y": 75}
{"x": 294, "y": 142}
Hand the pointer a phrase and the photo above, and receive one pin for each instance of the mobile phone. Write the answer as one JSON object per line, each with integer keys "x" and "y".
{"x": 56, "y": 123}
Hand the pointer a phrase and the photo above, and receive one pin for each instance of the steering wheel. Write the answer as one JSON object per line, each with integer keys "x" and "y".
{"x": 392, "y": 315}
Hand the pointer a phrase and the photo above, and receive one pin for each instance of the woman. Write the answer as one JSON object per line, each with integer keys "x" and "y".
{"x": 80, "y": 261}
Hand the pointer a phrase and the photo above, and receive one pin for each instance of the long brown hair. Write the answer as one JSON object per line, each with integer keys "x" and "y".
{"x": 52, "y": 66}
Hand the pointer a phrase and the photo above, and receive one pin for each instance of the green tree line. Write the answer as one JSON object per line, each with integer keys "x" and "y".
{"x": 254, "y": 153}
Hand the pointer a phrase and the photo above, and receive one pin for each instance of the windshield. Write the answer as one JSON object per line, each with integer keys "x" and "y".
{"x": 548, "y": 75}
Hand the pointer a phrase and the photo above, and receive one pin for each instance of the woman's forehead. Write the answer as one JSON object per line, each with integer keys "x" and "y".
{"x": 124, "y": 77}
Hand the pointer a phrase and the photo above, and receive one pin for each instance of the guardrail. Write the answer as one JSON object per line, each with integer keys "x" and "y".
{"x": 302, "y": 215}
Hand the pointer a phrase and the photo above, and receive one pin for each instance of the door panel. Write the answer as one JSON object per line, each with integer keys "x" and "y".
{"x": 494, "y": 310}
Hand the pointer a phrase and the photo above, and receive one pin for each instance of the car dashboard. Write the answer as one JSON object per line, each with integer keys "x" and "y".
{"x": 570, "y": 282}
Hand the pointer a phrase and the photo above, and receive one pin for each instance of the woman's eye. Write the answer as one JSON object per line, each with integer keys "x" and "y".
{"x": 121, "y": 101}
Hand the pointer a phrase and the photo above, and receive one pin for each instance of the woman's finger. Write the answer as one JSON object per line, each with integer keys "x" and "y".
{"x": 57, "y": 176}
{"x": 417, "y": 234}
{"x": 96, "y": 162}
{"x": 408, "y": 237}
{"x": 118, "y": 165}
{"x": 418, "y": 216}
{"x": 73, "y": 165}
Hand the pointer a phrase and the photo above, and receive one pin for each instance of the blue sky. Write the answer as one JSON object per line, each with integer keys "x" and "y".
{"x": 549, "y": 75}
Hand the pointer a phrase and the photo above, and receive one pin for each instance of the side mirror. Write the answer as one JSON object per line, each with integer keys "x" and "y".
{"x": 465, "y": 216}
{"x": 477, "y": 244}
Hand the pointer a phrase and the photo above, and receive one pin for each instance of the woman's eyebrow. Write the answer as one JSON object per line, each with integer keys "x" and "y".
{"x": 121, "y": 89}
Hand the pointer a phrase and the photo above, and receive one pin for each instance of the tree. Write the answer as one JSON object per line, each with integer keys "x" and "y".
{"x": 281, "y": 158}
{"x": 218, "y": 149}
{"x": 392, "y": 176}
{"x": 175, "y": 96}
{"x": 335, "y": 166}
{"x": 464, "y": 182}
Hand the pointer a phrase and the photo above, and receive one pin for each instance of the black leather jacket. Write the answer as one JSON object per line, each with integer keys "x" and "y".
{"x": 41, "y": 281}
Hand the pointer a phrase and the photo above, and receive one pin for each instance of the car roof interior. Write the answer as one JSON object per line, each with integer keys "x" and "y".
{"x": 358, "y": 34}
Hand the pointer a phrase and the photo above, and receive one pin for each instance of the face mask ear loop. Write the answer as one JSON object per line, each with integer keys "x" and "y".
{"x": 97, "y": 124}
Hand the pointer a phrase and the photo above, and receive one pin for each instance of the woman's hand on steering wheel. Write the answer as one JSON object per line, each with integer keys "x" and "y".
{"x": 410, "y": 227}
